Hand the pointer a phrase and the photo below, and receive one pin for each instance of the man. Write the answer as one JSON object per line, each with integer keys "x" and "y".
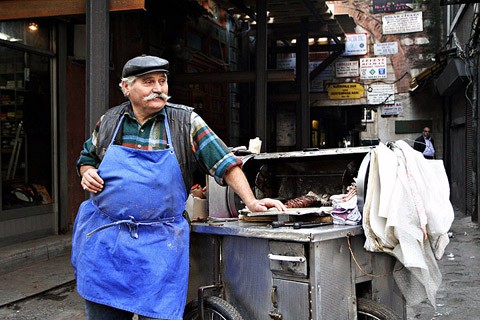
{"x": 425, "y": 145}
{"x": 131, "y": 241}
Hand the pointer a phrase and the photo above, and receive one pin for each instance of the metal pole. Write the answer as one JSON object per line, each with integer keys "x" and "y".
{"x": 261, "y": 82}
{"x": 97, "y": 12}
{"x": 303, "y": 106}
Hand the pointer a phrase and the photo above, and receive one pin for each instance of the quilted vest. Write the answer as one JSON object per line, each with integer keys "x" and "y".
{"x": 179, "y": 121}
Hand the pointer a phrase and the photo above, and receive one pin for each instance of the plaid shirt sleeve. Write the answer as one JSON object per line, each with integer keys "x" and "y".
{"x": 88, "y": 155}
{"x": 210, "y": 150}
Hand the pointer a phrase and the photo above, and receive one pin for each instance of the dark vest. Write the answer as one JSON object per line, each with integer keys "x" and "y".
{"x": 179, "y": 121}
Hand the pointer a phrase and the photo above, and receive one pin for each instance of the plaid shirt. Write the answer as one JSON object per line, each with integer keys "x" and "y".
{"x": 206, "y": 145}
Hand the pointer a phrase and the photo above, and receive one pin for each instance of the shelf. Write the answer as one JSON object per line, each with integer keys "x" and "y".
{"x": 19, "y": 89}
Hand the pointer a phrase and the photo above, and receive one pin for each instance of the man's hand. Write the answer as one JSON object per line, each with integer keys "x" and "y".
{"x": 91, "y": 181}
{"x": 265, "y": 203}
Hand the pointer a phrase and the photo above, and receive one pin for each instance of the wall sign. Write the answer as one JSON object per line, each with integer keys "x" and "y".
{"x": 356, "y": 44}
{"x": 346, "y": 69}
{"x": 373, "y": 68}
{"x": 402, "y": 23}
{"x": 380, "y": 93}
{"x": 383, "y": 49}
{"x": 341, "y": 91}
{"x": 288, "y": 61}
{"x": 411, "y": 126}
{"x": 392, "y": 110}
{"x": 286, "y": 135}
{"x": 380, "y": 6}
{"x": 317, "y": 85}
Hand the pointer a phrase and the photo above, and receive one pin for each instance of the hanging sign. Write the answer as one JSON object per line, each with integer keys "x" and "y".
{"x": 373, "y": 68}
{"x": 340, "y": 91}
{"x": 383, "y": 49}
{"x": 402, "y": 23}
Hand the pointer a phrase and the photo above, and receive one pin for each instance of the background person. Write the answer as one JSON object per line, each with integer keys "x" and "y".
{"x": 130, "y": 246}
{"x": 424, "y": 144}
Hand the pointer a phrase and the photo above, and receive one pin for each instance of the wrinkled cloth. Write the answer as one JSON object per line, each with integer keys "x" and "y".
{"x": 348, "y": 216}
{"x": 406, "y": 196}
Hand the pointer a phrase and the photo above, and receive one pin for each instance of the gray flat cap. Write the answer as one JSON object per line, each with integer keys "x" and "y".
{"x": 144, "y": 64}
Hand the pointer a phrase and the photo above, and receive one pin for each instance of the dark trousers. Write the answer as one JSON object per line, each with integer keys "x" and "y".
{"x": 96, "y": 311}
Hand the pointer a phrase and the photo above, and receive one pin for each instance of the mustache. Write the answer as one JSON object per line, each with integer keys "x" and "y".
{"x": 155, "y": 95}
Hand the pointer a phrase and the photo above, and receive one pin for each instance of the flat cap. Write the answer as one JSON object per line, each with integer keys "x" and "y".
{"x": 144, "y": 64}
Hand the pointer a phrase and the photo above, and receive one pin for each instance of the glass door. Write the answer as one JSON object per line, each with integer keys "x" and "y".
{"x": 25, "y": 129}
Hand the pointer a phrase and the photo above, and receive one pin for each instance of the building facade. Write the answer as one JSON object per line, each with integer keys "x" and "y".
{"x": 302, "y": 74}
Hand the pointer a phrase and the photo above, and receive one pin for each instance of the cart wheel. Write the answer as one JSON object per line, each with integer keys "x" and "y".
{"x": 368, "y": 309}
{"x": 215, "y": 309}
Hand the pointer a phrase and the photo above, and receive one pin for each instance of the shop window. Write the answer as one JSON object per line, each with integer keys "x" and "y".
{"x": 194, "y": 41}
{"x": 34, "y": 33}
{"x": 25, "y": 129}
{"x": 368, "y": 115}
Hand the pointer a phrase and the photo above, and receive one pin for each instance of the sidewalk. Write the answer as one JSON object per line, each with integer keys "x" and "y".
{"x": 458, "y": 297}
{"x": 33, "y": 267}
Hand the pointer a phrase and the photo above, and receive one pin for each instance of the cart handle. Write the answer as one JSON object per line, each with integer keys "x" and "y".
{"x": 286, "y": 258}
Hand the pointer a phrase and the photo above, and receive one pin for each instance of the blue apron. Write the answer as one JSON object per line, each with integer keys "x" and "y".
{"x": 130, "y": 246}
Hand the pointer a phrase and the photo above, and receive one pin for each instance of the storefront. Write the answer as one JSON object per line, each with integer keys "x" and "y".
{"x": 26, "y": 132}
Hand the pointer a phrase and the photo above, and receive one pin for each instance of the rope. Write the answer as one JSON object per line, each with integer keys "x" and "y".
{"x": 358, "y": 265}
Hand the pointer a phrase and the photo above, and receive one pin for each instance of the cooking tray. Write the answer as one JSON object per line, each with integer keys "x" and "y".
{"x": 290, "y": 211}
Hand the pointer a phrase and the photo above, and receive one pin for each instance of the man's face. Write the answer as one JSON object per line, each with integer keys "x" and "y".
{"x": 426, "y": 132}
{"x": 144, "y": 86}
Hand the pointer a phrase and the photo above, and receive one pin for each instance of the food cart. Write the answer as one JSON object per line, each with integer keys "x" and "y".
{"x": 292, "y": 272}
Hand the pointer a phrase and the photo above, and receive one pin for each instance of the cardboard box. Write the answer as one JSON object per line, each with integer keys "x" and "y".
{"x": 197, "y": 208}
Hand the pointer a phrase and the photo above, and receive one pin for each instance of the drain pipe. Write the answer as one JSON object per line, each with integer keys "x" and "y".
{"x": 475, "y": 81}
{"x": 473, "y": 69}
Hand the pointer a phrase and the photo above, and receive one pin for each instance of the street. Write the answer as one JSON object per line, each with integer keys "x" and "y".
{"x": 457, "y": 299}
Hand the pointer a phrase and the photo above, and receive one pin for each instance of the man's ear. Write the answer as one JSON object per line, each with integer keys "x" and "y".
{"x": 125, "y": 88}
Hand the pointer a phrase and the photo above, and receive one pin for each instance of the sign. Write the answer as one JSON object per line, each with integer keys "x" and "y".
{"x": 373, "y": 68}
{"x": 381, "y": 6}
{"x": 411, "y": 126}
{"x": 14, "y": 9}
{"x": 346, "y": 69}
{"x": 340, "y": 91}
{"x": 402, "y": 23}
{"x": 393, "y": 110}
{"x": 288, "y": 61}
{"x": 356, "y": 44}
{"x": 286, "y": 132}
{"x": 386, "y": 48}
{"x": 380, "y": 93}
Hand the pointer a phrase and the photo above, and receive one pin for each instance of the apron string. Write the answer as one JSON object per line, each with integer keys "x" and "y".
{"x": 132, "y": 225}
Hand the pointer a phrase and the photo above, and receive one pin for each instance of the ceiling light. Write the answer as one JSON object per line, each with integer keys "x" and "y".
{"x": 32, "y": 26}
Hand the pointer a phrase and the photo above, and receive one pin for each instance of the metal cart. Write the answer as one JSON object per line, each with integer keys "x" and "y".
{"x": 293, "y": 274}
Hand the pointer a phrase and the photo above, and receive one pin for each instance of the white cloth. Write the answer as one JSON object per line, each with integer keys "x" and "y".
{"x": 407, "y": 194}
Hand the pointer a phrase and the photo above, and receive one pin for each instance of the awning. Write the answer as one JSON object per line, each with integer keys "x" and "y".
{"x": 21, "y": 9}
{"x": 426, "y": 74}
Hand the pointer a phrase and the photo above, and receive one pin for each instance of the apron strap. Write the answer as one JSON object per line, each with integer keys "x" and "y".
{"x": 132, "y": 225}
{"x": 116, "y": 129}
